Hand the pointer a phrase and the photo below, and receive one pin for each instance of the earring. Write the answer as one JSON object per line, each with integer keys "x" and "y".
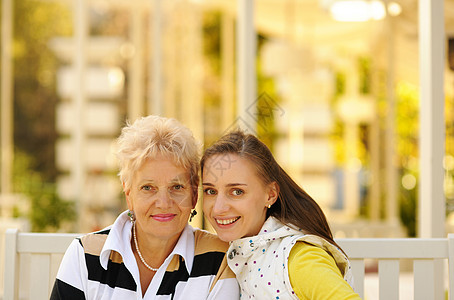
{"x": 193, "y": 213}
{"x": 269, "y": 205}
{"x": 131, "y": 215}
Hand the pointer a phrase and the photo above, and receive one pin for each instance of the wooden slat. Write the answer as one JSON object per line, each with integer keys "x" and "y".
{"x": 395, "y": 248}
{"x": 39, "y": 276}
{"x": 11, "y": 275}
{"x": 358, "y": 275}
{"x": 451, "y": 265}
{"x": 44, "y": 243}
{"x": 424, "y": 287}
{"x": 388, "y": 279}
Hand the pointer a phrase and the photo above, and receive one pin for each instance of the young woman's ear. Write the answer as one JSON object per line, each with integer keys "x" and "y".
{"x": 273, "y": 193}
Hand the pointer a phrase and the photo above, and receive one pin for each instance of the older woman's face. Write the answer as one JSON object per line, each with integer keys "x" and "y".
{"x": 161, "y": 198}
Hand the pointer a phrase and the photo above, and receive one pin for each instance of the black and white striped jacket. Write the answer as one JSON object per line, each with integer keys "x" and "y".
{"x": 101, "y": 265}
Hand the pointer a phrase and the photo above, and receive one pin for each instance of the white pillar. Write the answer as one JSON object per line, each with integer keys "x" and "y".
{"x": 155, "y": 98}
{"x": 171, "y": 58}
{"x": 351, "y": 184}
{"x": 375, "y": 187}
{"x": 6, "y": 100}
{"x": 78, "y": 171}
{"x": 390, "y": 154}
{"x": 136, "y": 65}
{"x": 432, "y": 127}
{"x": 246, "y": 74}
{"x": 227, "y": 71}
{"x": 191, "y": 71}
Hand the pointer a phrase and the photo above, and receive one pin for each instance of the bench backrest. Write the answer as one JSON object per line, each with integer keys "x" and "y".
{"x": 32, "y": 259}
{"x": 428, "y": 256}
{"x": 36, "y": 257}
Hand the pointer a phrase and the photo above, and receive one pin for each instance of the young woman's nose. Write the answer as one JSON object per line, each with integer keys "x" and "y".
{"x": 220, "y": 204}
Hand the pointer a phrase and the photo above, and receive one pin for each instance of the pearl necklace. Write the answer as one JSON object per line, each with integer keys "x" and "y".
{"x": 138, "y": 251}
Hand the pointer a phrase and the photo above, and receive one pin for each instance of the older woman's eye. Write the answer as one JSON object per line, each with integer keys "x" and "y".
{"x": 178, "y": 187}
{"x": 209, "y": 191}
{"x": 237, "y": 192}
{"x": 147, "y": 187}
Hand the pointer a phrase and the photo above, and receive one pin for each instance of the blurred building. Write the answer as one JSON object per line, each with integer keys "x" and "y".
{"x": 199, "y": 61}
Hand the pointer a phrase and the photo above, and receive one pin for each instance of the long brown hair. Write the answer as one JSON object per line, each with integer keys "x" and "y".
{"x": 293, "y": 205}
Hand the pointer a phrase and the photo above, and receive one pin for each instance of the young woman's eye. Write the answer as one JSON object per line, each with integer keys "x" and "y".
{"x": 209, "y": 191}
{"x": 237, "y": 192}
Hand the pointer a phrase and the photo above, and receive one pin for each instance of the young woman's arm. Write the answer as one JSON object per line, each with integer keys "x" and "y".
{"x": 314, "y": 274}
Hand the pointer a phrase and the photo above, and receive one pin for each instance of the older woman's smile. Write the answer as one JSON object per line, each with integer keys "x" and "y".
{"x": 163, "y": 217}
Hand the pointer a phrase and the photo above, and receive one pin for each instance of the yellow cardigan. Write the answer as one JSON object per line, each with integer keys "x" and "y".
{"x": 314, "y": 275}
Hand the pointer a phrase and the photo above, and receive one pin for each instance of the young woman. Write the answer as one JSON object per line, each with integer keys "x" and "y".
{"x": 281, "y": 245}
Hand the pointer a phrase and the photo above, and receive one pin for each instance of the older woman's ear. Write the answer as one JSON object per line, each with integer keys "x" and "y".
{"x": 127, "y": 192}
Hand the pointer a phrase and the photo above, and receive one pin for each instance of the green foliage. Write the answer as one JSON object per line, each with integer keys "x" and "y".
{"x": 35, "y": 66}
{"x": 449, "y": 160}
{"x": 407, "y": 209}
{"x": 338, "y": 127}
{"x": 407, "y": 123}
{"x": 364, "y": 70}
{"x": 267, "y": 102}
{"x": 46, "y": 210}
{"x": 407, "y": 132}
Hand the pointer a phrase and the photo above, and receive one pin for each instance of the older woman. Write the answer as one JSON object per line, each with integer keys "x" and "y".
{"x": 150, "y": 252}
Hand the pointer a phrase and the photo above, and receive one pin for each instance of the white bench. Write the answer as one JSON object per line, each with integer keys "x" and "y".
{"x": 45, "y": 250}
{"x": 428, "y": 256}
{"x": 38, "y": 255}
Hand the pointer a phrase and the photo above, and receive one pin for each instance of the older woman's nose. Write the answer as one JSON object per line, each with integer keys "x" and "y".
{"x": 163, "y": 199}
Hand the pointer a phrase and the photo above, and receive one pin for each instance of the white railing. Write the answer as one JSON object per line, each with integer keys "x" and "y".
{"x": 31, "y": 263}
{"x": 427, "y": 256}
{"x": 35, "y": 257}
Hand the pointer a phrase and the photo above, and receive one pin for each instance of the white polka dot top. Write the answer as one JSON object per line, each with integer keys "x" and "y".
{"x": 261, "y": 262}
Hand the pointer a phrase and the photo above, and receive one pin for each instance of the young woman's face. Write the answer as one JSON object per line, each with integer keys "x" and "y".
{"x": 235, "y": 199}
{"x": 161, "y": 198}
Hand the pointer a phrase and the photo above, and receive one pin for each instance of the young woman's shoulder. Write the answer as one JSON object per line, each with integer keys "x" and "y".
{"x": 314, "y": 274}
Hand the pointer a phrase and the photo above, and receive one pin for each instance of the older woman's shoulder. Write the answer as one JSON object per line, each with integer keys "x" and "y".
{"x": 93, "y": 242}
{"x": 208, "y": 242}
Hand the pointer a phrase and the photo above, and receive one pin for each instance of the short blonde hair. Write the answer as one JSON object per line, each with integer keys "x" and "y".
{"x": 150, "y": 136}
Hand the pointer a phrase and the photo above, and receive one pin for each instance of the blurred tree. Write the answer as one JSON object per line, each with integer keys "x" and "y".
{"x": 407, "y": 149}
{"x": 46, "y": 211}
{"x": 267, "y": 101}
{"x": 35, "y": 66}
{"x": 449, "y": 159}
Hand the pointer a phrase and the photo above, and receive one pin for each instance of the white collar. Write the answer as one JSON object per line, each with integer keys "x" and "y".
{"x": 119, "y": 240}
